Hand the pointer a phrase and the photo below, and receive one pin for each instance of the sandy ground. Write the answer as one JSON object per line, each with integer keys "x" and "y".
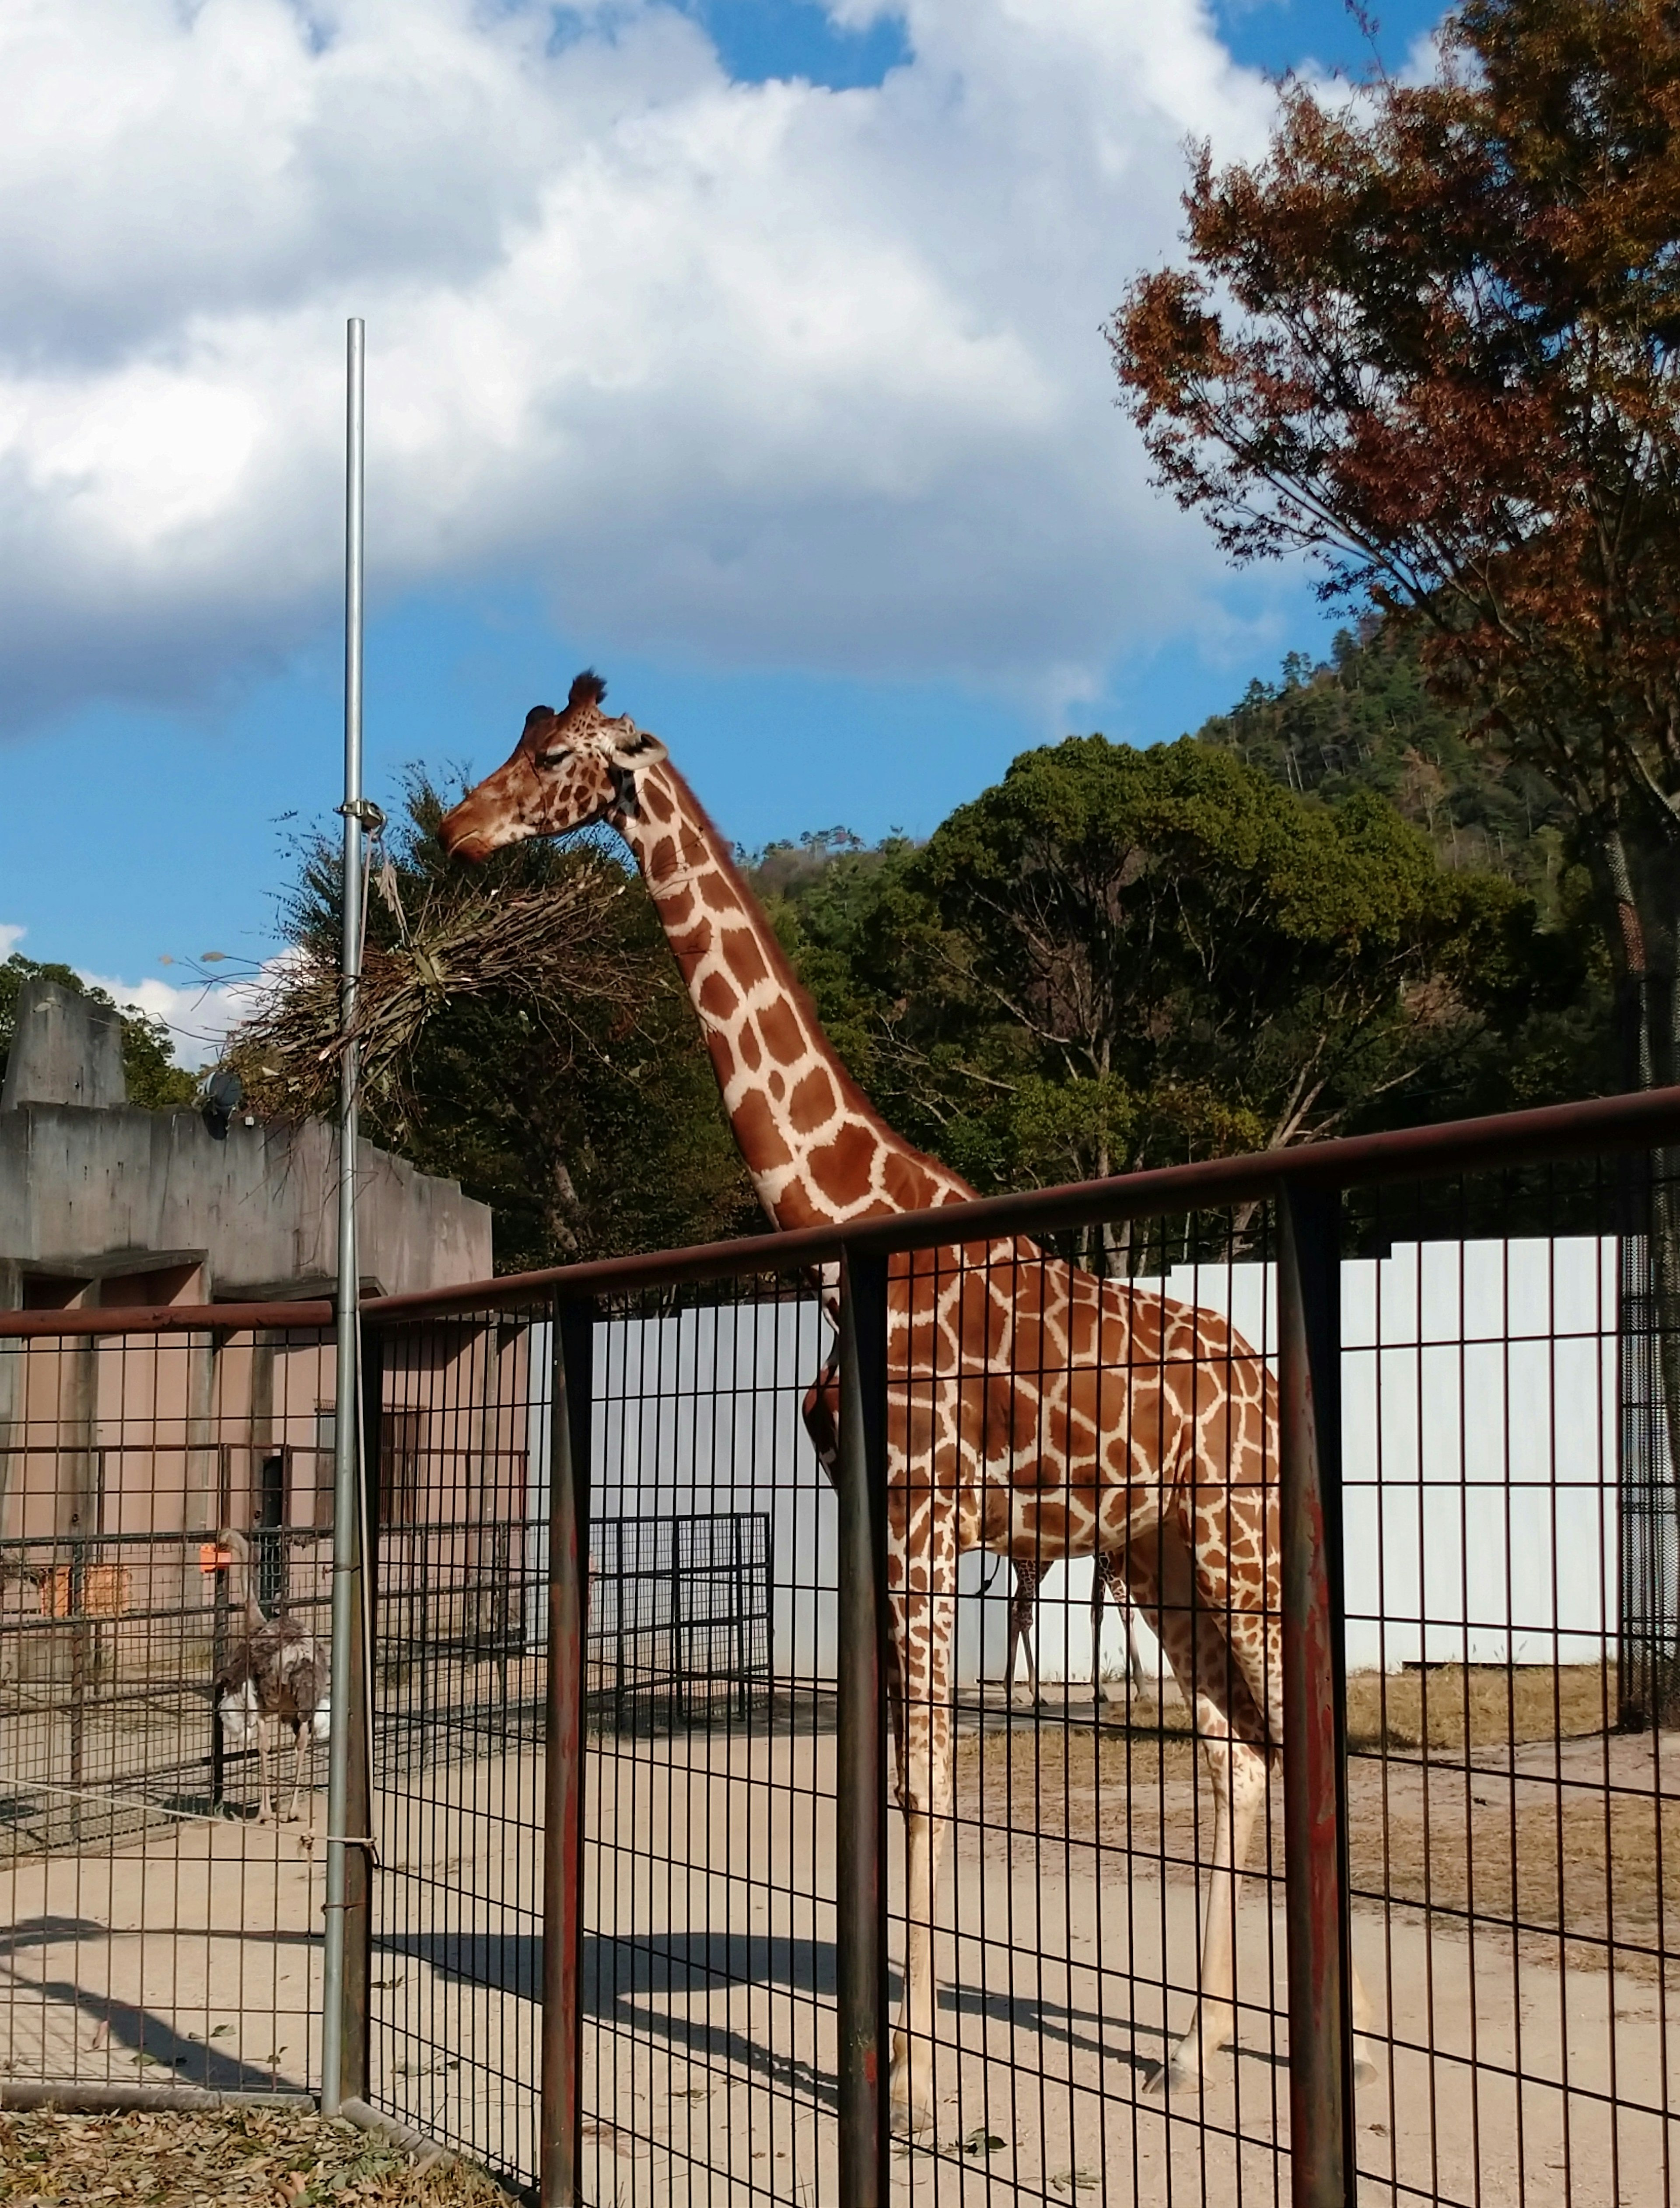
{"x": 1509, "y": 2069}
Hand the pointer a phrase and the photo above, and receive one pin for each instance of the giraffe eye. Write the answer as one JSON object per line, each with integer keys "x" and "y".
{"x": 553, "y": 759}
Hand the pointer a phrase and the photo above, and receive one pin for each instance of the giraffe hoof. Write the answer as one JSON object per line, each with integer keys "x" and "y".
{"x": 910, "y": 2121}
{"x": 1179, "y": 2074}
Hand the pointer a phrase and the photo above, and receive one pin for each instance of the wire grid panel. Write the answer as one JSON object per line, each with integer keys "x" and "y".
{"x": 710, "y": 2048}
{"x": 1512, "y": 1810}
{"x": 1110, "y": 1438}
{"x": 1505, "y": 1425}
{"x": 456, "y": 1691}
{"x": 156, "y": 1931}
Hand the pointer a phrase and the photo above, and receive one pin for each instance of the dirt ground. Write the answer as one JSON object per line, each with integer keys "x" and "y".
{"x": 1529, "y": 2066}
{"x": 1485, "y": 1793}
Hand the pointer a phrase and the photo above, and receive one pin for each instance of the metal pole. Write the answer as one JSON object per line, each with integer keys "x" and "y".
{"x": 561, "y": 2165}
{"x": 1315, "y": 1722}
{"x": 861, "y": 1760}
{"x": 347, "y": 1435}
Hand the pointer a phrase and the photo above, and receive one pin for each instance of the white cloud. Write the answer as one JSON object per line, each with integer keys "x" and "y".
{"x": 11, "y": 937}
{"x": 199, "y": 1015}
{"x": 761, "y": 373}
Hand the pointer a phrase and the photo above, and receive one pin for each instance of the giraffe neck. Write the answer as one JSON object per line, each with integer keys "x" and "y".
{"x": 816, "y": 1149}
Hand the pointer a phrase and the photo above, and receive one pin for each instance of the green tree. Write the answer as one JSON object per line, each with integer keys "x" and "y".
{"x": 1116, "y": 958}
{"x": 1365, "y": 719}
{"x": 154, "y": 1080}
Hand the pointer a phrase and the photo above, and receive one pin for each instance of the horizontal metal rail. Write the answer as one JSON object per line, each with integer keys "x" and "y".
{"x": 170, "y": 1318}
{"x": 1553, "y": 1132}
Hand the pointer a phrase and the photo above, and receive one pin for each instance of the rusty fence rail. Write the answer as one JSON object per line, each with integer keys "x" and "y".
{"x": 1334, "y": 1497}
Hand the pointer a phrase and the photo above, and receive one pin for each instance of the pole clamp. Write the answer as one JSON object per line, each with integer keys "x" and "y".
{"x": 363, "y": 811}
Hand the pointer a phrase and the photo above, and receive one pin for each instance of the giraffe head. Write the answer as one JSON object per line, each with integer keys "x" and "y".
{"x": 567, "y": 769}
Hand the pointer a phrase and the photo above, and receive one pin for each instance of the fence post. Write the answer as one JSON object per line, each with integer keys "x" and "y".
{"x": 354, "y": 2037}
{"x": 561, "y": 2171}
{"x": 860, "y": 1806}
{"x": 1315, "y": 1725}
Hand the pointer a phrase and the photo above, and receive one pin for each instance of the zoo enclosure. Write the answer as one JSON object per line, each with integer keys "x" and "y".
{"x": 569, "y": 1917}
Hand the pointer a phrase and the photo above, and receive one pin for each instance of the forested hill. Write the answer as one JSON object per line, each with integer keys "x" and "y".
{"x": 1363, "y": 720}
{"x": 1113, "y": 958}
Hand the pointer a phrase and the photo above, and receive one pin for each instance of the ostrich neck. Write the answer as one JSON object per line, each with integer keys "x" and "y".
{"x": 816, "y": 1149}
{"x": 242, "y": 1594}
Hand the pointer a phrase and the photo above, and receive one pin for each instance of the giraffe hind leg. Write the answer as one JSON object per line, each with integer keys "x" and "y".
{"x": 1023, "y": 1608}
{"x": 1227, "y": 1726}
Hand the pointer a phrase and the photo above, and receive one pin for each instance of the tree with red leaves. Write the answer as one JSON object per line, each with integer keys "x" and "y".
{"x": 1430, "y": 339}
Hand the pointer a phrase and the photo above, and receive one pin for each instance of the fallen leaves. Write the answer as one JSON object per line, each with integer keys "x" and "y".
{"x": 248, "y": 2158}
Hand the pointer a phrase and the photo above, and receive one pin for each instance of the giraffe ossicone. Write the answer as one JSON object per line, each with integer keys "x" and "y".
{"x": 1033, "y": 1408}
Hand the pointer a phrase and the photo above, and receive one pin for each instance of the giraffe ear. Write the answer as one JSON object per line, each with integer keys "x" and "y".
{"x": 637, "y": 748}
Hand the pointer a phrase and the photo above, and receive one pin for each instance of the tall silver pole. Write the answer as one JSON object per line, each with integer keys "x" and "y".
{"x": 347, "y": 1422}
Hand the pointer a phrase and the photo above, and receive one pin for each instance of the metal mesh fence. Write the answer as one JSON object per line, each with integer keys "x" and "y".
{"x": 156, "y": 1931}
{"x": 1327, "y": 1526}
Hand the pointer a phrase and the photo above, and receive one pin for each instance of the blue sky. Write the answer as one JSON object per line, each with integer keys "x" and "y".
{"x": 824, "y": 476}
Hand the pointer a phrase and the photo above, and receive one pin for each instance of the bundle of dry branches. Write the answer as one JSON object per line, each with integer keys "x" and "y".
{"x": 546, "y": 948}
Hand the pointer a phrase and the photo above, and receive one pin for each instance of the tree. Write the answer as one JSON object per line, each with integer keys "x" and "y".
{"x": 1430, "y": 340}
{"x": 154, "y": 1080}
{"x": 1117, "y": 958}
{"x": 1365, "y": 719}
{"x": 528, "y": 1036}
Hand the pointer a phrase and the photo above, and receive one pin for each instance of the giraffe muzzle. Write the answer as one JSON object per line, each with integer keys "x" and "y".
{"x": 466, "y": 842}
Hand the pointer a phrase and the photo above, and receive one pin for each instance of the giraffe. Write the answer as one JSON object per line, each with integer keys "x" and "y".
{"x": 1033, "y": 1409}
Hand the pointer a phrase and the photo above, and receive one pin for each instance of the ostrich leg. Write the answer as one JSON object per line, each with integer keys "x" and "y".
{"x": 304, "y": 1738}
{"x": 265, "y": 1813}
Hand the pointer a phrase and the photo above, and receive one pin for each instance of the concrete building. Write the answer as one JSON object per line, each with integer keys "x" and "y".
{"x": 114, "y": 1437}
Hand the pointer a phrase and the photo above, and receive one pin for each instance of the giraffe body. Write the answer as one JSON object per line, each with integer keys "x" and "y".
{"x": 1033, "y": 1409}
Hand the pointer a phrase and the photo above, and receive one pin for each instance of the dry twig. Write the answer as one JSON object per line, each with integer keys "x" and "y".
{"x": 547, "y": 948}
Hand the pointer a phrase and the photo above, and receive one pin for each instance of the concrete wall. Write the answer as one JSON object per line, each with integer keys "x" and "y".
{"x": 259, "y": 1203}
{"x": 64, "y": 1050}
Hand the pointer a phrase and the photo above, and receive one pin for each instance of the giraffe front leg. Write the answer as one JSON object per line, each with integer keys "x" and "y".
{"x": 1238, "y": 1776}
{"x": 1134, "y": 1655}
{"x": 921, "y": 1627}
{"x": 1023, "y": 1605}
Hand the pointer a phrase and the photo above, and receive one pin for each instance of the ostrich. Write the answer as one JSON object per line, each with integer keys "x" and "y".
{"x": 1108, "y": 1578}
{"x": 275, "y": 1671}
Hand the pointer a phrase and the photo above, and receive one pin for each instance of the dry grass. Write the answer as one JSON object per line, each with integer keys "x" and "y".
{"x": 276, "y": 2157}
{"x": 1481, "y": 1793}
{"x": 1486, "y": 1705}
